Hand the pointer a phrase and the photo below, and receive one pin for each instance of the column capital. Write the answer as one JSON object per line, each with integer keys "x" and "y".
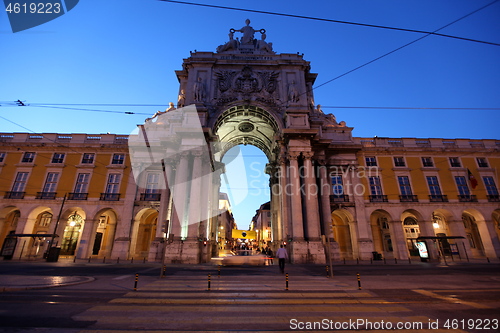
{"x": 308, "y": 155}
{"x": 293, "y": 155}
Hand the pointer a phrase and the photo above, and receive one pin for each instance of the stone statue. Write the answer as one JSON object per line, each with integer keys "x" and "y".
{"x": 248, "y": 33}
{"x": 199, "y": 90}
{"x": 318, "y": 109}
{"x": 232, "y": 44}
{"x": 170, "y": 107}
{"x": 181, "y": 100}
{"x": 263, "y": 45}
{"x": 293, "y": 94}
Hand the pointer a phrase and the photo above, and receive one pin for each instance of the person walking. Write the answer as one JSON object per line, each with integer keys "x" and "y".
{"x": 281, "y": 254}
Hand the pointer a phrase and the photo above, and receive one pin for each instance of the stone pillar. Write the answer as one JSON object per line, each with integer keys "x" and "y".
{"x": 488, "y": 238}
{"x": 364, "y": 233}
{"x": 121, "y": 246}
{"x": 326, "y": 211}
{"x": 457, "y": 229}
{"x": 296, "y": 200}
{"x": 426, "y": 229}
{"x": 398, "y": 240}
{"x": 175, "y": 244}
{"x": 23, "y": 243}
{"x": 311, "y": 199}
{"x": 285, "y": 227}
{"x": 194, "y": 199}
{"x": 87, "y": 239}
{"x": 298, "y": 249}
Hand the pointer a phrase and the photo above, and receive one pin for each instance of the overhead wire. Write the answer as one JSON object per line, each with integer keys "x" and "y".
{"x": 435, "y": 33}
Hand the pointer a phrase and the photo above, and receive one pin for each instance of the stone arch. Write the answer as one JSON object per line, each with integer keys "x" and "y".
{"x": 410, "y": 221}
{"x": 246, "y": 124}
{"x": 341, "y": 228}
{"x": 70, "y": 230}
{"x": 103, "y": 232}
{"x": 143, "y": 232}
{"x": 9, "y": 217}
{"x": 383, "y": 237}
{"x": 495, "y": 216}
{"x": 39, "y": 221}
{"x": 470, "y": 219}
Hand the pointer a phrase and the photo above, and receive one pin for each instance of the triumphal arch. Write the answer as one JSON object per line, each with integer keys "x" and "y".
{"x": 244, "y": 93}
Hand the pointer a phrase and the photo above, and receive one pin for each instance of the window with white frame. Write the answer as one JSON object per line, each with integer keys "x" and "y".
{"x": 399, "y": 161}
{"x": 463, "y": 188}
{"x": 82, "y": 182}
{"x": 337, "y": 186}
{"x": 88, "y": 158}
{"x": 51, "y": 182}
{"x": 371, "y": 161}
{"x": 152, "y": 182}
{"x": 28, "y": 157}
{"x": 404, "y": 185}
{"x": 113, "y": 185}
{"x": 375, "y": 187}
{"x": 118, "y": 159}
{"x": 434, "y": 188}
{"x": 455, "y": 162}
{"x": 427, "y": 162}
{"x": 57, "y": 158}
{"x": 20, "y": 182}
{"x": 491, "y": 188}
{"x": 482, "y": 162}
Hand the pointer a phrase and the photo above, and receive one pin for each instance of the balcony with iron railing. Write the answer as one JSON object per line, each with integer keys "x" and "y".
{"x": 78, "y": 196}
{"x": 467, "y": 198}
{"x": 438, "y": 198}
{"x": 46, "y": 195}
{"x": 408, "y": 198}
{"x": 378, "y": 198}
{"x": 14, "y": 195}
{"x": 493, "y": 198}
{"x": 110, "y": 196}
{"x": 150, "y": 196}
{"x": 336, "y": 198}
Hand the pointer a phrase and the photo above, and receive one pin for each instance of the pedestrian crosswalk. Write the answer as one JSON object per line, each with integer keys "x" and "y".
{"x": 246, "y": 303}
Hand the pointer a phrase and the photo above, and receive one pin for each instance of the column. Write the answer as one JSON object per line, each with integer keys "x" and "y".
{"x": 296, "y": 200}
{"x": 426, "y": 229}
{"x": 284, "y": 227}
{"x": 87, "y": 239}
{"x": 179, "y": 196}
{"x": 195, "y": 197}
{"x": 326, "y": 211}
{"x": 399, "y": 240}
{"x": 311, "y": 199}
{"x": 488, "y": 238}
{"x": 457, "y": 229}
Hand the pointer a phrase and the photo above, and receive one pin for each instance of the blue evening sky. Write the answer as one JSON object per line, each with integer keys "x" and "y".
{"x": 126, "y": 52}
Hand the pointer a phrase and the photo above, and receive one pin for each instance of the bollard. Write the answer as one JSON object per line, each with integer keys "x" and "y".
{"x": 409, "y": 261}
{"x": 286, "y": 281}
{"x": 327, "y": 272}
{"x": 89, "y": 258}
{"x": 344, "y": 261}
{"x": 164, "y": 270}
{"x": 118, "y": 260}
{"x": 135, "y": 283}
{"x": 104, "y": 260}
{"x": 218, "y": 272}
{"x": 359, "y": 281}
{"x": 208, "y": 282}
{"x": 395, "y": 260}
{"x": 132, "y": 261}
{"x": 144, "y": 260}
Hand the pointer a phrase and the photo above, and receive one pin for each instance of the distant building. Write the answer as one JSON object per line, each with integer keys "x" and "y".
{"x": 261, "y": 223}
{"x": 330, "y": 192}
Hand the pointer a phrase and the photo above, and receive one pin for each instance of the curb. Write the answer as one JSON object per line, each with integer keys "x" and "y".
{"x": 86, "y": 279}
